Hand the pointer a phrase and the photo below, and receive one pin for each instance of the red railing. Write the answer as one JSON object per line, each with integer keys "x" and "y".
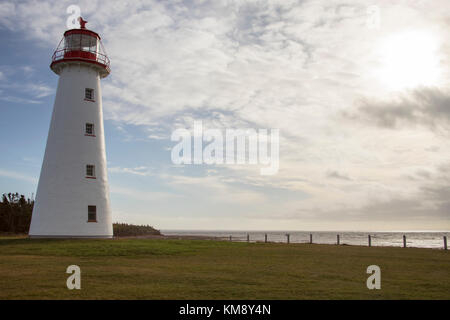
{"x": 94, "y": 56}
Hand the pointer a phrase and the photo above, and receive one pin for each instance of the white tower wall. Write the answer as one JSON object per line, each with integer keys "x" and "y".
{"x": 64, "y": 192}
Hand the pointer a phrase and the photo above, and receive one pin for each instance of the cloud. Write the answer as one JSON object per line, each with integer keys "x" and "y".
{"x": 14, "y": 80}
{"x": 337, "y": 175}
{"x": 18, "y": 176}
{"x": 426, "y": 200}
{"x": 142, "y": 195}
{"x": 39, "y": 90}
{"x": 14, "y": 99}
{"x": 219, "y": 188}
{"x": 426, "y": 107}
{"x": 139, "y": 171}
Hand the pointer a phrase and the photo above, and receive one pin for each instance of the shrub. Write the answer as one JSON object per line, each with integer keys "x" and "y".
{"x": 125, "y": 229}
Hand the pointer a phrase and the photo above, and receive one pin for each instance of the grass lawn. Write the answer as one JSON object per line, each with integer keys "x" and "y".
{"x": 205, "y": 269}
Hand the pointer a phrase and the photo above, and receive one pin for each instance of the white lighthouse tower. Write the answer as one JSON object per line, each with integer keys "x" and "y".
{"x": 72, "y": 198}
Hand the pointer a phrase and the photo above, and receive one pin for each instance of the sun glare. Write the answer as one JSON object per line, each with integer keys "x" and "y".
{"x": 409, "y": 60}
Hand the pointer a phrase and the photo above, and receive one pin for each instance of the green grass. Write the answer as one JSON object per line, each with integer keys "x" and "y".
{"x": 202, "y": 269}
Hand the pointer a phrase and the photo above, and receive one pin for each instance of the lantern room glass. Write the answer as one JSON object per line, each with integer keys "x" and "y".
{"x": 81, "y": 42}
{"x": 81, "y": 45}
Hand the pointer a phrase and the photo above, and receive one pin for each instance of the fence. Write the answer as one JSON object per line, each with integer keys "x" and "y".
{"x": 340, "y": 240}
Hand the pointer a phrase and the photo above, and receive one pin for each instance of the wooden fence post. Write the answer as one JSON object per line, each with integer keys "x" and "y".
{"x": 310, "y": 238}
{"x": 338, "y": 240}
{"x": 445, "y": 242}
{"x": 230, "y": 238}
{"x": 404, "y": 241}
{"x": 370, "y": 241}
{"x": 287, "y": 235}
{"x": 265, "y": 238}
{"x": 248, "y": 237}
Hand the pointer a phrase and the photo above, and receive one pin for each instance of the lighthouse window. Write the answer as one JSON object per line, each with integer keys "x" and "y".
{"x": 92, "y": 213}
{"x": 89, "y": 94}
{"x": 90, "y": 171}
{"x": 90, "y": 129}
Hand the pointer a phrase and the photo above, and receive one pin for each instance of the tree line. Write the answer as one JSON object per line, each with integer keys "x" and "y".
{"x": 15, "y": 213}
{"x": 125, "y": 229}
{"x": 16, "y": 210}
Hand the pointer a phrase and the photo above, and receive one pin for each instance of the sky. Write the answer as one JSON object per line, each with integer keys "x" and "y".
{"x": 359, "y": 91}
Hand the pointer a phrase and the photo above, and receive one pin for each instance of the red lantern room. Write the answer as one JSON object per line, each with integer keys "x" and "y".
{"x": 81, "y": 46}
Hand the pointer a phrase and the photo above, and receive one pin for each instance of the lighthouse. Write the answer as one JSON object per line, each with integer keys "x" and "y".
{"x": 72, "y": 199}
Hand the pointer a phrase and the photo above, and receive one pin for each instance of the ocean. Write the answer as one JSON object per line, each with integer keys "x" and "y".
{"x": 387, "y": 239}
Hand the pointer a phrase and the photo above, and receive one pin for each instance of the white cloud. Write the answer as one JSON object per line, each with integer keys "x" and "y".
{"x": 34, "y": 90}
{"x": 18, "y": 176}
{"x": 140, "y": 195}
{"x": 140, "y": 171}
